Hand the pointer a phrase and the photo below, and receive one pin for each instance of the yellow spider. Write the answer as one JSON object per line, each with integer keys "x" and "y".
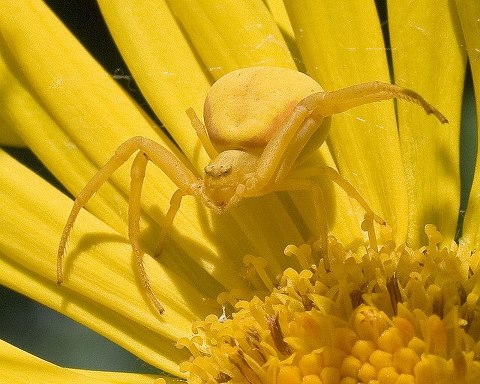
{"x": 260, "y": 122}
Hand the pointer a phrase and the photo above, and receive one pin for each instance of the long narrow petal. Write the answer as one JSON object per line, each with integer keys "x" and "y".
{"x": 19, "y": 367}
{"x": 428, "y": 57}
{"x": 230, "y": 34}
{"x": 280, "y": 15}
{"x": 469, "y": 14}
{"x": 341, "y": 44}
{"x": 128, "y": 378}
{"x": 8, "y": 137}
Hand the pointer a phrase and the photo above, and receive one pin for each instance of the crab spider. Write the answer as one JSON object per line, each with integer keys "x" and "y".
{"x": 259, "y": 123}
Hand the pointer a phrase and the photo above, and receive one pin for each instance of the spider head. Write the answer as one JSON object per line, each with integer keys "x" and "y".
{"x": 225, "y": 176}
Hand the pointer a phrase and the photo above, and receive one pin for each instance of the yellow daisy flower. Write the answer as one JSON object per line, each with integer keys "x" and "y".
{"x": 398, "y": 304}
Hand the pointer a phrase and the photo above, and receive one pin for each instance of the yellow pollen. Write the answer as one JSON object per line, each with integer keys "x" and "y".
{"x": 363, "y": 349}
{"x": 381, "y": 314}
{"x": 311, "y": 379}
{"x": 387, "y": 375}
{"x": 380, "y": 359}
{"x": 350, "y": 366}
{"x": 404, "y": 360}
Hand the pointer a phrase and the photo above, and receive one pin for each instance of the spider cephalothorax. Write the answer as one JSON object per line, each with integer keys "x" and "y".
{"x": 259, "y": 122}
{"x": 225, "y": 177}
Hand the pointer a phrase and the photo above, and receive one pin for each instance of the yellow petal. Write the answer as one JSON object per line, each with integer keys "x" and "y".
{"x": 163, "y": 65}
{"x": 128, "y": 378}
{"x": 428, "y": 58}
{"x": 280, "y": 15}
{"x": 8, "y": 137}
{"x": 469, "y": 14}
{"x": 341, "y": 44}
{"x": 21, "y": 367}
{"x": 230, "y": 34}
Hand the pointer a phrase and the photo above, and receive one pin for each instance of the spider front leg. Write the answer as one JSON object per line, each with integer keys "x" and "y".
{"x": 337, "y": 178}
{"x": 148, "y": 149}
{"x": 302, "y": 181}
{"x": 331, "y": 103}
{"x": 175, "y": 202}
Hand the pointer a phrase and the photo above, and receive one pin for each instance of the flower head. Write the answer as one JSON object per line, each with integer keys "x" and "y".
{"x": 386, "y": 308}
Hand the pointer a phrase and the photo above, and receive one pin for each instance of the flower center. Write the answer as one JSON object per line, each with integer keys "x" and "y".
{"x": 389, "y": 315}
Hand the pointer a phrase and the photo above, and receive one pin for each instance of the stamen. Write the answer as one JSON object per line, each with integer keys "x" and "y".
{"x": 434, "y": 237}
{"x": 394, "y": 292}
{"x": 367, "y": 226}
{"x": 231, "y": 297}
{"x": 190, "y": 344}
{"x": 259, "y": 264}
{"x": 303, "y": 253}
{"x": 277, "y": 335}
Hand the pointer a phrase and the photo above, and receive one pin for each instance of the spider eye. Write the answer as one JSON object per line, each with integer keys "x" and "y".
{"x": 218, "y": 170}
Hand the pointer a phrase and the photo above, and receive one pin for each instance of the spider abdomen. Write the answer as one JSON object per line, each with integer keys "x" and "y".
{"x": 244, "y": 108}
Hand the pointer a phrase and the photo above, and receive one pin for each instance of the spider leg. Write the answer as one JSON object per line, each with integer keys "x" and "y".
{"x": 294, "y": 133}
{"x": 331, "y": 103}
{"x": 319, "y": 206}
{"x": 201, "y": 133}
{"x": 180, "y": 175}
{"x": 278, "y": 148}
{"x": 122, "y": 154}
{"x": 302, "y": 181}
{"x": 167, "y": 222}
{"x": 137, "y": 174}
{"x": 338, "y": 179}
